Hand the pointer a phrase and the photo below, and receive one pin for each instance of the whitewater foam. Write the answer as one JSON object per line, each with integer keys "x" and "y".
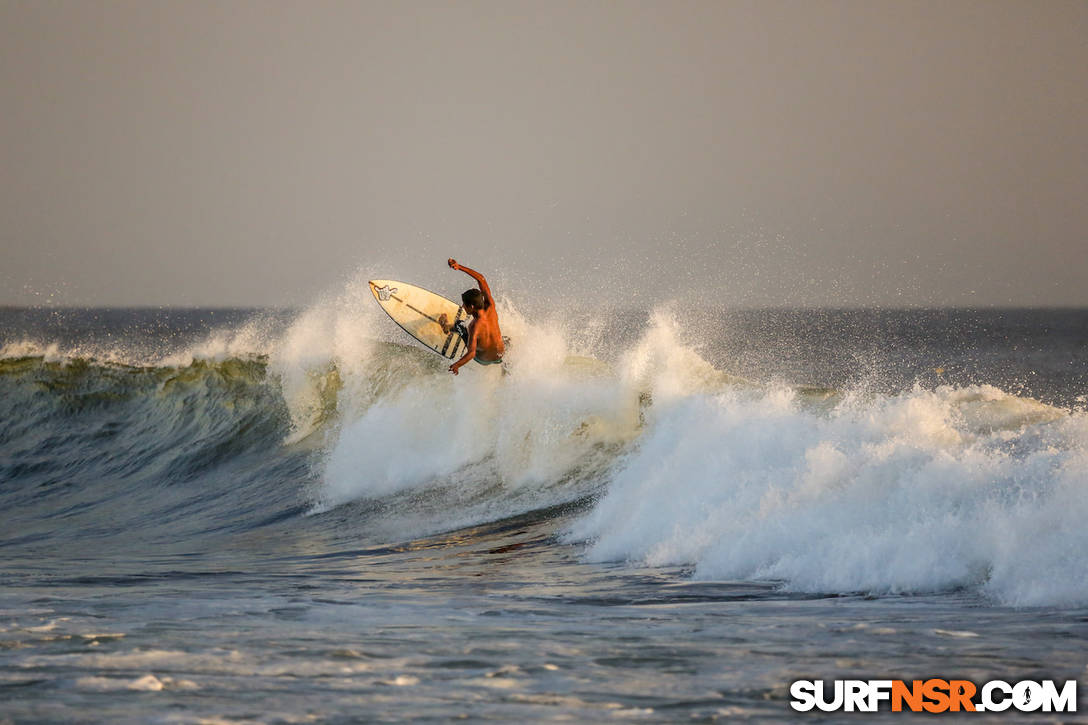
{"x": 922, "y": 492}
{"x": 553, "y": 414}
{"x": 925, "y": 491}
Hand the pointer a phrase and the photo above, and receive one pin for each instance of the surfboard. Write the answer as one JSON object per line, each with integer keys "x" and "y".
{"x": 416, "y": 310}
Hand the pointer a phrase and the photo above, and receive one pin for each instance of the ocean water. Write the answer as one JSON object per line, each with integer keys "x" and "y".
{"x": 297, "y": 516}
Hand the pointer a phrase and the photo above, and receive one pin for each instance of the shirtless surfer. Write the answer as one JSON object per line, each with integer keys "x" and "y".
{"x": 482, "y": 336}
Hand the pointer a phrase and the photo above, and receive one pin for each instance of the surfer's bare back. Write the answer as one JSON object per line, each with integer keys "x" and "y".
{"x": 482, "y": 336}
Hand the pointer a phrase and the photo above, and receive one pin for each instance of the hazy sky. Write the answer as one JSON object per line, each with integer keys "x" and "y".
{"x": 767, "y": 153}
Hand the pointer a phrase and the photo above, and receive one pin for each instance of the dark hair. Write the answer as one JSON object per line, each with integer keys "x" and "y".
{"x": 474, "y": 297}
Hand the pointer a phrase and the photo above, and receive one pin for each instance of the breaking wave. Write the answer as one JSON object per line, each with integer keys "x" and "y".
{"x": 664, "y": 458}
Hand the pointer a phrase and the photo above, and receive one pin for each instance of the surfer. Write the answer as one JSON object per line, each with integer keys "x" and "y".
{"x": 481, "y": 335}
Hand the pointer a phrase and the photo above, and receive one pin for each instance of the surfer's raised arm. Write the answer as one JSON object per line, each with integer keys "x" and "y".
{"x": 475, "y": 275}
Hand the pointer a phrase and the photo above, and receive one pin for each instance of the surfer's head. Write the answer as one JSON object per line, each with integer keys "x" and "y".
{"x": 473, "y": 299}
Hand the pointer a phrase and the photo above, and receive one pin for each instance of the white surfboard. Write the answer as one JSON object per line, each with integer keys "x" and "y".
{"x": 417, "y": 310}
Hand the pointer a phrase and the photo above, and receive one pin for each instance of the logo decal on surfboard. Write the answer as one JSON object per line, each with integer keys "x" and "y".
{"x": 384, "y": 292}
